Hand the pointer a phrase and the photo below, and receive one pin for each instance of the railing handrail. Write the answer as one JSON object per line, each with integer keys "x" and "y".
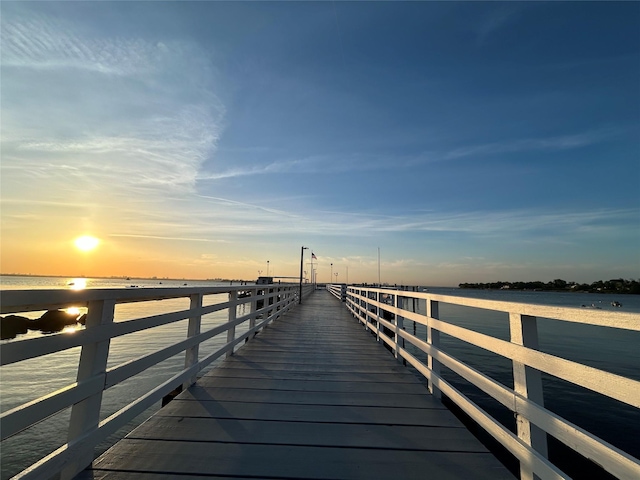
{"x": 526, "y": 398}
{"x": 14, "y": 301}
{"x": 85, "y": 395}
{"x": 587, "y": 316}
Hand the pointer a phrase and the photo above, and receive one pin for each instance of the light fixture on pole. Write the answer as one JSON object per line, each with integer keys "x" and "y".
{"x": 267, "y": 268}
{"x": 301, "y": 264}
{"x": 331, "y": 276}
{"x": 336, "y": 274}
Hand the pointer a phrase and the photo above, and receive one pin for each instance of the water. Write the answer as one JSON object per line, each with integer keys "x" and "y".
{"x": 607, "y": 349}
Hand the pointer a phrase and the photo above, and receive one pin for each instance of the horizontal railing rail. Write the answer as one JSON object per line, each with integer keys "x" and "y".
{"x": 266, "y": 304}
{"x": 382, "y": 312}
{"x": 338, "y": 290}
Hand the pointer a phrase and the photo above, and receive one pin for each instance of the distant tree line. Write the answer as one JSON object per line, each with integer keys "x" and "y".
{"x": 616, "y": 285}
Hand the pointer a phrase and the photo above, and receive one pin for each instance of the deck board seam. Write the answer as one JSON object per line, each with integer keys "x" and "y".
{"x": 312, "y": 422}
{"x": 309, "y": 445}
{"x": 270, "y": 389}
{"x": 426, "y": 407}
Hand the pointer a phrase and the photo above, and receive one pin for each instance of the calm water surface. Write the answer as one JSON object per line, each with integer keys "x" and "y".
{"x": 614, "y": 351}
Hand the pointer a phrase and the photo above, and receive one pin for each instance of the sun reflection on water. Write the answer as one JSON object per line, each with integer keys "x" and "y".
{"x": 77, "y": 283}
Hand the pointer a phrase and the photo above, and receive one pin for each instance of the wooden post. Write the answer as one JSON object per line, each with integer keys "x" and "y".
{"x": 195, "y": 321}
{"x": 399, "y": 326}
{"x": 252, "y": 312}
{"x": 85, "y": 415}
{"x": 231, "y": 332}
{"x": 527, "y": 382}
{"x": 366, "y": 310}
{"x": 415, "y": 289}
{"x": 377, "y": 317}
{"x": 433, "y": 339}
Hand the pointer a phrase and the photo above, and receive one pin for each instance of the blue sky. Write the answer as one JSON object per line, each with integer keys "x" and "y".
{"x": 475, "y": 141}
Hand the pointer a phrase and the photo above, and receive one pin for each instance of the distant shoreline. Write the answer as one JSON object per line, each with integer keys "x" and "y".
{"x": 616, "y": 285}
{"x": 127, "y": 278}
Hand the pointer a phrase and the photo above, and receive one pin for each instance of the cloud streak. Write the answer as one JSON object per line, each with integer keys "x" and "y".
{"x": 555, "y": 143}
{"x": 344, "y": 163}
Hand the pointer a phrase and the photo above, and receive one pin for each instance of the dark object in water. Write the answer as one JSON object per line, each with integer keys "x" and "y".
{"x": 53, "y": 321}
{"x": 12, "y": 325}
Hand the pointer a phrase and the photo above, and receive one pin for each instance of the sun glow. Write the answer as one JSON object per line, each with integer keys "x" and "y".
{"x": 78, "y": 284}
{"x": 86, "y": 243}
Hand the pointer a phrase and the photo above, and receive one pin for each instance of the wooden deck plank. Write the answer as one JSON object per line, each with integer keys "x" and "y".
{"x": 307, "y": 433}
{"x": 233, "y": 363}
{"x": 308, "y": 398}
{"x": 343, "y": 376}
{"x": 313, "y": 385}
{"x": 434, "y": 417}
{"x": 288, "y": 461}
{"x": 312, "y": 396}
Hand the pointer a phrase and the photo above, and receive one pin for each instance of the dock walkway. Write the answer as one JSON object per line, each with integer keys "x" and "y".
{"x": 313, "y": 396}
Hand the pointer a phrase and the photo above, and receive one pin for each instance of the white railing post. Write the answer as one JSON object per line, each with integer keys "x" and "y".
{"x": 433, "y": 339}
{"x": 85, "y": 415}
{"x": 195, "y": 321}
{"x": 527, "y": 382}
{"x": 366, "y": 309}
{"x": 231, "y": 332}
{"x": 252, "y": 312}
{"x": 378, "y": 317}
{"x": 399, "y": 326}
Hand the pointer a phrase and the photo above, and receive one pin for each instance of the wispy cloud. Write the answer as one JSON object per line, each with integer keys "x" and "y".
{"x": 335, "y": 163}
{"x": 119, "y": 120}
{"x": 554, "y": 143}
{"x": 350, "y": 162}
{"x": 45, "y": 42}
{"x": 494, "y": 20}
{"x": 159, "y": 237}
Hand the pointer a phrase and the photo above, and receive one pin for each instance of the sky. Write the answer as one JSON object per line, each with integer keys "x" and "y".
{"x": 464, "y": 141}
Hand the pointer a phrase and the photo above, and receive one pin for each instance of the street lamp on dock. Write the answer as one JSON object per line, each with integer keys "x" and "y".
{"x": 301, "y": 264}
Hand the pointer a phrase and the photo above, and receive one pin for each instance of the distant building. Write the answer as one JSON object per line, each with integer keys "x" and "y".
{"x": 264, "y": 281}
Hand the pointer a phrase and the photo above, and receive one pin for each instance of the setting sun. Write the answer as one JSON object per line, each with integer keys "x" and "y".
{"x": 86, "y": 243}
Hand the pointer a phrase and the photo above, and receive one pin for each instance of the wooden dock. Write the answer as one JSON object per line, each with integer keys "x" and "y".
{"x": 313, "y": 396}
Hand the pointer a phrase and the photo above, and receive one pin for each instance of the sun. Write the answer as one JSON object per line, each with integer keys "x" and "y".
{"x": 86, "y": 243}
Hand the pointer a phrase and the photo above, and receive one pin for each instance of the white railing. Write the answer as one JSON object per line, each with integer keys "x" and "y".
{"x": 86, "y": 431}
{"x": 338, "y": 290}
{"x": 525, "y": 400}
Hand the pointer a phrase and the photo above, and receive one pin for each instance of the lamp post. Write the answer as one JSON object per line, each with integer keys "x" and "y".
{"x": 301, "y": 264}
{"x": 336, "y": 274}
{"x": 347, "y": 280}
{"x": 267, "y": 268}
{"x": 259, "y": 273}
{"x": 331, "y": 276}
